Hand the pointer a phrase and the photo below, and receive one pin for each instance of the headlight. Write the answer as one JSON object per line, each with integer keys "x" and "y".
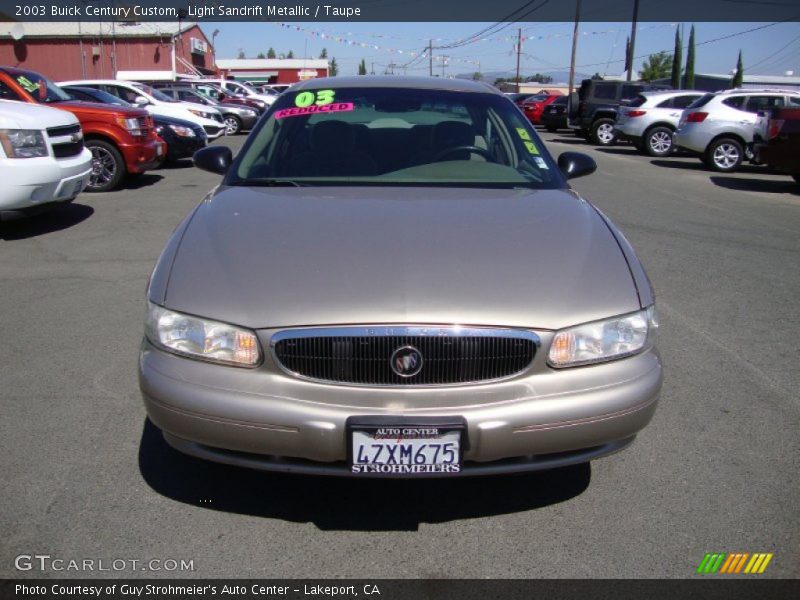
{"x": 182, "y": 131}
{"x": 201, "y": 338}
{"x": 200, "y": 113}
{"x": 23, "y": 143}
{"x": 134, "y": 126}
{"x": 604, "y": 340}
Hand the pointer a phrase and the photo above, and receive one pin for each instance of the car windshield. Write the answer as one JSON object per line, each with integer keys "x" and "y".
{"x": 160, "y": 96}
{"x": 40, "y": 88}
{"x": 395, "y": 136}
{"x": 92, "y": 95}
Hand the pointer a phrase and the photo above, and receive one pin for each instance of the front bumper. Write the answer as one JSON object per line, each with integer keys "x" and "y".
{"x": 262, "y": 418}
{"x": 34, "y": 184}
{"x": 691, "y": 138}
{"x": 143, "y": 156}
{"x": 248, "y": 120}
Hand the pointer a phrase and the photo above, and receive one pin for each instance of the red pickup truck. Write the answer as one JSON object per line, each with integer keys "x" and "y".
{"x": 122, "y": 140}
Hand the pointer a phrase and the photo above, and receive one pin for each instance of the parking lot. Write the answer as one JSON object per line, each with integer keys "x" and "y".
{"x": 717, "y": 470}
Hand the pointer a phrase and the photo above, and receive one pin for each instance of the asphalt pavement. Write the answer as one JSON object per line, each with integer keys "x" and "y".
{"x": 86, "y": 477}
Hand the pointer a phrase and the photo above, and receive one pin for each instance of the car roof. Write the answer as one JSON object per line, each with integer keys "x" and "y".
{"x": 653, "y": 93}
{"x": 739, "y": 91}
{"x": 398, "y": 82}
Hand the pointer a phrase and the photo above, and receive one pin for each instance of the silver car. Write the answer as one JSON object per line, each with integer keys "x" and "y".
{"x": 719, "y": 127}
{"x": 394, "y": 278}
{"x": 651, "y": 118}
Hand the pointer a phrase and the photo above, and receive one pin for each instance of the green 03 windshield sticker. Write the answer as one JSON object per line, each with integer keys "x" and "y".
{"x": 526, "y": 139}
{"x": 320, "y": 98}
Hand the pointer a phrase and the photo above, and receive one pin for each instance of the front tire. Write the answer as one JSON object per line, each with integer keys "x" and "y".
{"x": 658, "y": 142}
{"x": 603, "y": 133}
{"x": 108, "y": 166}
{"x": 724, "y": 155}
{"x": 232, "y": 125}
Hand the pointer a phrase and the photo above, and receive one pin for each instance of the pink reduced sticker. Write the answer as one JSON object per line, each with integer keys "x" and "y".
{"x": 313, "y": 109}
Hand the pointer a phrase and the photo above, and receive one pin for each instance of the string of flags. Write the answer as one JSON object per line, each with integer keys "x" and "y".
{"x": 347, "y": 39}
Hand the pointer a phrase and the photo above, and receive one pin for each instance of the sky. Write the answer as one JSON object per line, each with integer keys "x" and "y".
{"x": 771, "y": 50}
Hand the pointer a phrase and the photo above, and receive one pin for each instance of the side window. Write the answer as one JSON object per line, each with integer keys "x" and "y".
{"x": 736, "y": 102}
{"x": 684, "y": 101}
{"x": 794, "y": 100}
{"x": 605, "y": 91}
{"x": 630, "y": 91}
{"x": 127, "y": 94}
{"x": 6, "y": 93}
{"x": 757, "y": 103}
{"x": 668, "y": 103}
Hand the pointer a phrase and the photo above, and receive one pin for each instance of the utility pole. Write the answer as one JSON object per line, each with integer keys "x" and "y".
{"x": 574, "y": 46}
{"x": 430, "y": 58}
{"x": 633, "y": 38}
{"x": 519, "y": 52}
{"x": 444, "y": 64}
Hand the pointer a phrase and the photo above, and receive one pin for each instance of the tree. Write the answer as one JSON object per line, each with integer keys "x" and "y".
{"x": 676, "y": 62}
{"x": 657, "y": 66}
{"x": 362, "y": 67}
{"x": 689, "y": 76}
{"x": 290, "y": 54}
{"x": 241, "y": 54}
{"x": 597, "y": 76}
{"x": 738, "y": 77}
{"x": 261, "y": 55}
{"x": 324, "y": 53}
{"x": 476, "y": 76}
{"x": 333, "y": 68}
{"x": 271, "y": 53}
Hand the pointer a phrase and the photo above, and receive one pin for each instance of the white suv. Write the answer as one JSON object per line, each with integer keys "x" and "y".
{"x": 650, "y": 119}
{"x": 43, "y": 161}
{"x": 719, "y": 127}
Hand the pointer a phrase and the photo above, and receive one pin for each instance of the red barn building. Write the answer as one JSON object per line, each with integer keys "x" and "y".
{"x": 95, "y": 50}
{"x": 273, "y": 70}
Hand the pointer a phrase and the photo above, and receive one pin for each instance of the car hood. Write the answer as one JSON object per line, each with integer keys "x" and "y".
{"x": 281, "y": 257}
{"x": 96, "y": 108}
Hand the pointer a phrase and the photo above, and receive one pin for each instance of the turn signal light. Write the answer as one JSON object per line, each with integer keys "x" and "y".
{"x": 696, "y": 117}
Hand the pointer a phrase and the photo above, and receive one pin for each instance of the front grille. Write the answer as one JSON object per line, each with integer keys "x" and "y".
{"x": 63, "y": 131}
{"x": 68, "y": 149}
{"x": 211, "y": 130}
{"x": 363, "y": 356}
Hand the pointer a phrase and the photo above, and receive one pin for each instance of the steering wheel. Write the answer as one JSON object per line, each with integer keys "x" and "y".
{"x": 474, "y": 149}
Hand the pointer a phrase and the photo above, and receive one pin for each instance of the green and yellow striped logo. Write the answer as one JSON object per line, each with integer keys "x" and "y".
{"x": 737, "y": 562}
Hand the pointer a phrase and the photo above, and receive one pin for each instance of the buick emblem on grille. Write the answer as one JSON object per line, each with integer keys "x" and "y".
{"x": 406, "y": 361}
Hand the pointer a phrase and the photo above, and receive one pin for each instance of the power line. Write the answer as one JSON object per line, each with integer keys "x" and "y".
{"x": 763, "y": 60}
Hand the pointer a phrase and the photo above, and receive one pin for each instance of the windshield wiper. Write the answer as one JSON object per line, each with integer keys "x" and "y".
{"x": 269, "y": 183}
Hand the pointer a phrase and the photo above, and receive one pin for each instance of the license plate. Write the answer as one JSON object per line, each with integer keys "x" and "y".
{"x": 405, "y": 449}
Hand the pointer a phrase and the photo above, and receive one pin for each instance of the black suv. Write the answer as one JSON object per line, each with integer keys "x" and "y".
{"x": 593, "y": 108}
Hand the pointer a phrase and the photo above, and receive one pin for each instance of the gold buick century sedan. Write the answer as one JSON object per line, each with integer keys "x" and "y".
{"x": 395, "y": 279}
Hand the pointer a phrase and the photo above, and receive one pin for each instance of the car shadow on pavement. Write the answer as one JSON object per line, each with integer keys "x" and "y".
{"x": 786, "y": 185}
{"x": 694, "y": 164}
{"x": 343, "y": 503}
{"x": 56, "y": 219}
{"x": 623, "y": 150}
{"x": 575, "y": 140}
{"x": 177, "y": 165}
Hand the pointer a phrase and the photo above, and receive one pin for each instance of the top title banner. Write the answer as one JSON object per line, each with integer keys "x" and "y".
{"x": 401, "y": 10}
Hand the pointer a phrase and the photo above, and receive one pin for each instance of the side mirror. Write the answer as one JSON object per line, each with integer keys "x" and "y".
{"x": 575, "y": 164}
{"x": 215, "y": 159}
{"x": 141, "y": 101}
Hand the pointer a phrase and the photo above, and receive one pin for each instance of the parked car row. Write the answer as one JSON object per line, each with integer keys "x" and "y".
{"x": 720, "y": 128}
{"x": 128, "y": 127}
